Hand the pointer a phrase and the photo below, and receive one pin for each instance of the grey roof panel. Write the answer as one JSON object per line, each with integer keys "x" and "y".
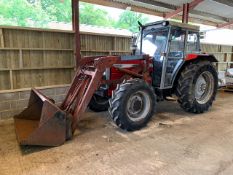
{"x": 210, "y": 10}
{"x": 213, "y": 7}
{"x": 175, "y": 2}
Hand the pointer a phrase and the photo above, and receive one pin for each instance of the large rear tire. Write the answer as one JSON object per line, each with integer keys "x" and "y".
{"x": 197, "y": 87}
{"x": 132, "y": 104}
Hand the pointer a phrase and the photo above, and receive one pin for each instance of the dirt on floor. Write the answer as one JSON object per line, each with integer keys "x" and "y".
{"x": 174, "y": 142}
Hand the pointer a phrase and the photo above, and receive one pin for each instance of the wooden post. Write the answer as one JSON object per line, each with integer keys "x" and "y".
{"x": 231, "y": 66}
{"x": 185, "y": 15}
{"x": 11, "y": 80}
{"x": 20, "y": 58}
{"x": 43, "y": 45}
{"x": 114, "y": 43}
{"x": 75, "y": 24}
{"x": 1, "y": 38}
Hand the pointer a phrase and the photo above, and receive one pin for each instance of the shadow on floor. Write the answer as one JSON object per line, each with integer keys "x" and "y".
{"x": 94, "y": 121}
{"x": 28, "y": 149}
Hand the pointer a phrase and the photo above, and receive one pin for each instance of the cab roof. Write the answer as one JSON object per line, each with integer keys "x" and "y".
{"x": 172, "y": 23}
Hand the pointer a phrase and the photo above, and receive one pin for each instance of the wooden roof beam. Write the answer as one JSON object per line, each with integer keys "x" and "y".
{"x": 158, "y": 4}
{"x": 224, "y": 25}
{"x": 213, "y": 16}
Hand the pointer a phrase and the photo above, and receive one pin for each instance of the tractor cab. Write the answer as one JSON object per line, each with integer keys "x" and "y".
{"x": 168, "y": 43}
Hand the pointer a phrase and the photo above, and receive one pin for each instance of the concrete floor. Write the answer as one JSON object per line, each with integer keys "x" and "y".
{"x": 174, "y": 142}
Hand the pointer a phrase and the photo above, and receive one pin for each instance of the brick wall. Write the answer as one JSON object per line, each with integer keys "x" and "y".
{"x": 12, "y": 103}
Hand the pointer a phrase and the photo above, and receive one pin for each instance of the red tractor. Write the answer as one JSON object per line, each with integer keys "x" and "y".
{"x": 166, "y": 60}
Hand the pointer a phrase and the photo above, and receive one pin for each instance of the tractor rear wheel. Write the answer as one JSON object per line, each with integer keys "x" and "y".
{"x": 132, "y": 104}
{"x": 197, "y": 87}
{"x": 98, "y": 103}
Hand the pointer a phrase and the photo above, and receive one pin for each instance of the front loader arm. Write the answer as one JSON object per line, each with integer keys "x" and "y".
{"x": 86, "y": 81}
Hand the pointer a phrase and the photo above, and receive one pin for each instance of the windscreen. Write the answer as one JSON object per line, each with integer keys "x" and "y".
{"x": 154, "y": 41}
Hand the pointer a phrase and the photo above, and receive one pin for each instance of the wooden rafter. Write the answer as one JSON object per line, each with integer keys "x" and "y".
{"x": 224, "y": 25}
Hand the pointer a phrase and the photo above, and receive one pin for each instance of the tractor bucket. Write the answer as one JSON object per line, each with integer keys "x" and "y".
{"x": 42, "y": 122}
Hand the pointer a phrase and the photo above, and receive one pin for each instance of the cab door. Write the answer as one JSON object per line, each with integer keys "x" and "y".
{"x": 174, "y": 56}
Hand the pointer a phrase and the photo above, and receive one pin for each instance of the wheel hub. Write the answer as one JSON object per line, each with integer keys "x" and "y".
{"x": 204, "y": 87}
{"x": 200, "y": 86}
{"x": 138, "y": 105}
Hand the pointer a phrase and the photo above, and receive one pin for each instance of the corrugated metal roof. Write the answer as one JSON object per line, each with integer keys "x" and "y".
{"x": 213, "y": 7}
{"x": 208, "y": 12}
{"x": 175, "y": 2}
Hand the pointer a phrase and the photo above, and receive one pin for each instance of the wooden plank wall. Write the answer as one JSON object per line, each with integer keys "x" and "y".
{"x": 37, "y": 58}
{"x": 223, "y": 53}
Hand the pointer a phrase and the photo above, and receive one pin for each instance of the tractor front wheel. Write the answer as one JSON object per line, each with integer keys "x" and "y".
{"x": 197, "y": 87}
{"x": 132, "y": 104}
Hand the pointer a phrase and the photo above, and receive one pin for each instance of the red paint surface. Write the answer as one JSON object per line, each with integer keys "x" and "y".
{"x": 191, "y": 56}
{"x": 116, "y": 74}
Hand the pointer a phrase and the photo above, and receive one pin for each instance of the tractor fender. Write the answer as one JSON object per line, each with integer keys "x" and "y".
{"x": 188, "y": 59}
{"x": 206, "y": 57}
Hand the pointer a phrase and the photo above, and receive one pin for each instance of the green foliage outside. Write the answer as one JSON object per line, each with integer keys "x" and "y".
{"x": 91, "y": 15}
{"x": 57, "y": 10}
{"x": 129, "y": 20}
{"x": 22, "y": 13}
{"x": 39, "y": 13}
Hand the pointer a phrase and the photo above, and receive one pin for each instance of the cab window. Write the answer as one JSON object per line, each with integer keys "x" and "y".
{"x": 192, "y": 42}
{"x": 177, "y": 43}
